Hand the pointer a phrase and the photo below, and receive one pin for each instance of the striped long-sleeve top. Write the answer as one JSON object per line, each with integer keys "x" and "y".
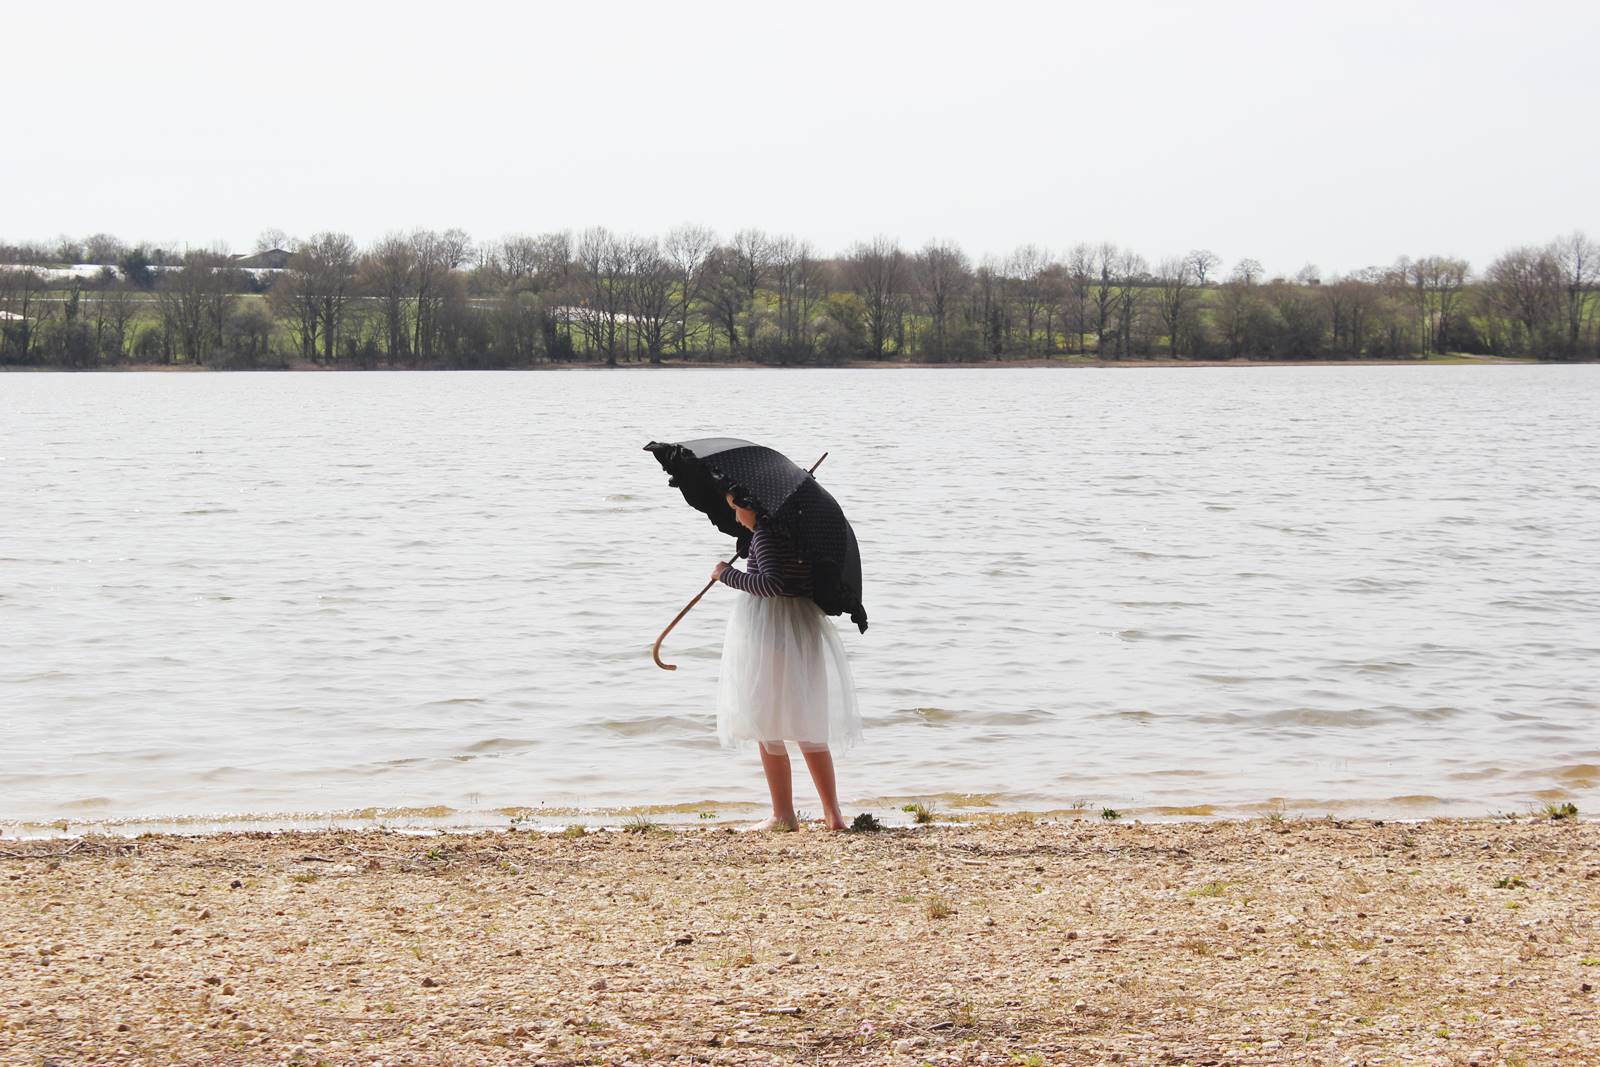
{"x": 775, "y": 568}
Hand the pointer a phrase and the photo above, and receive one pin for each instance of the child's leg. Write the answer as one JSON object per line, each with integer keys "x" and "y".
{"x": 775, "y": 762}
{"x": 819, "y": 761}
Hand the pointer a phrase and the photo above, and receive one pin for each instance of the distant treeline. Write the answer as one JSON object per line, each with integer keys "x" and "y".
{"x": 436, "y": 299}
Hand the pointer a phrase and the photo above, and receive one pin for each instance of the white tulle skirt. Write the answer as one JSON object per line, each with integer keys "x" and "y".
{"x": 785, "y": 676}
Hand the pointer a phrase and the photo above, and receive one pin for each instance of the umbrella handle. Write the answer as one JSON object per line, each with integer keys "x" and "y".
{"x": 655, "y": 653}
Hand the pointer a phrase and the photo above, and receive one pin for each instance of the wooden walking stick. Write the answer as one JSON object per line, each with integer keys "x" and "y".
{"x": 655, "y": 652}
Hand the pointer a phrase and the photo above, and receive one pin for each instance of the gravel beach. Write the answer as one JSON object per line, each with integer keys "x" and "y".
{"x": 1009, "y": 941}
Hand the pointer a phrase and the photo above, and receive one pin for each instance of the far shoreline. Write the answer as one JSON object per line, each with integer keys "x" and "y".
{"x": 1032, "y": 363}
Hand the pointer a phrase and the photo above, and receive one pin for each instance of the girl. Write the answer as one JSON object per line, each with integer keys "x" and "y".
{"x": 784, "y": 672}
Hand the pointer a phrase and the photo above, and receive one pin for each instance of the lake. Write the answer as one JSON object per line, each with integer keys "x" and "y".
{"x": 424, "y": 599}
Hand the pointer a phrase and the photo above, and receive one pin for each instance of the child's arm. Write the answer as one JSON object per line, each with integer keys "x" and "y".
{"x": 758, "y": 580}
{"x": 752, "y": 581}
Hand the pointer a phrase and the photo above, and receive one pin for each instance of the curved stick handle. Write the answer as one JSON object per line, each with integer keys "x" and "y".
{"x": 655, "y": 653}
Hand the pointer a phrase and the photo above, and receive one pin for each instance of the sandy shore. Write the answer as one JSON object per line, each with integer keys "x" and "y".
{"x": 1011, "y": 942}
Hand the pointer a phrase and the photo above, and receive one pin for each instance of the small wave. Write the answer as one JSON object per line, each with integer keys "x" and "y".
{"x": 1016, "y": 717}
{"x": 650, "y": 724}
{"x": 1478, "y": 775}
{"x": 1417, "y": 800}
{"x": 1322, "y": 717}
{"x": 502, "y": 744}
{"x": 1583, "y": 775}
{"x": 1136, "y": 634}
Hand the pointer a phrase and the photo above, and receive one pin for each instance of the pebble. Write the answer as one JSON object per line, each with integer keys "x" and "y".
{"x": 598, "y": 985}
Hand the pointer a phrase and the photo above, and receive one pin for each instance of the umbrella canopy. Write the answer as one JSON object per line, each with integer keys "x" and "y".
{"x": 780, "y": 493}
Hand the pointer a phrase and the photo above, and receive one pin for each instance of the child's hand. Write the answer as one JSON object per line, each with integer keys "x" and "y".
{"x": 716, "y": 572}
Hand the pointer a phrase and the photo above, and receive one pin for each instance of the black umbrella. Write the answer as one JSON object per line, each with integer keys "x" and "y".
{"x": 780, "y": 493}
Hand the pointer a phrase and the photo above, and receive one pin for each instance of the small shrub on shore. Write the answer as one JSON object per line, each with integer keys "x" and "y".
{"x": 1568, "y": 810}
{"x": 573, "y": 831}
{"x": 866, "y": 822}
{"x": 939, "y": 907}
{"x": 1210, "y": 889}
{"x": 1110, "y": 814}
{"x": 921, "y": 813}
{"x": 1514, "y": 882}
{"x": 640, "y": 824}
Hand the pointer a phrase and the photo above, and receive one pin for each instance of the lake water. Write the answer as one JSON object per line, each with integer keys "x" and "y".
{"x": 423, "y": 599}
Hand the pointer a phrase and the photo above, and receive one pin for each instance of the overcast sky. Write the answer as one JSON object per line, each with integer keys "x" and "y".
{"x": 1341, "y": 134}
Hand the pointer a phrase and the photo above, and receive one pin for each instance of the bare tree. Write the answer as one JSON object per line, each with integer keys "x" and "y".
{"x": 553, "y": 261}
{"x": 1528, "y": 286}
{"x": 1025, "y": 269}
{"x": 1079, "y": 292}
{"x": 22, "y": 294}
{"x": 1439, "y": 281}
{"x": 388, "y": 272}
{"x": 687, "y": 248}
{"x": 1175, "y": 280}
{"x": 942, "y": 272}
{"x": 650, "y": 277}
{"x": 1132, "y": 275}
{"x": 1247, "y": 272}
{"x": 270, "y": 239}
{"x": 602, "y": 261}
{"x": 122, "y": 311}
{"x": 1578, "y": 259}
{"x": 874, "y": 269}
{"x": 293, "y": 299}
{"x": 750, "y": 253}
{"x": 103, "y": 248}
{"x": 1105, "y": 264}
{"x": 513, "y": 262}
{"x": 329, "y": 262}
{"x": 196, "y": 300}
{"x": 1203, "y": 262}
{"x": 436, "y": 255}
{"x": 984, "y": 312}
{"x": 794, "y": 273}
{"x": 722, "y": 291}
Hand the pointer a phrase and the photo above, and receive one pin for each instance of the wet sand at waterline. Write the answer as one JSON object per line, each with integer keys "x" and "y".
{"x": 1010, "y": 941}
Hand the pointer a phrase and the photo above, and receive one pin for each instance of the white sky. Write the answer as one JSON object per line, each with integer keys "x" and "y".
{"x": 1337, "y": 133}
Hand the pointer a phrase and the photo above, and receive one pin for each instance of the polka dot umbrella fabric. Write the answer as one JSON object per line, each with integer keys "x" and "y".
{"x": 780, "y": 492}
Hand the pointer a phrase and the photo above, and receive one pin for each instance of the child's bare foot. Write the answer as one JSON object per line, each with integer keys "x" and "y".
{"x": 836, "y": 822}
{"x": 772, "y": 822}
